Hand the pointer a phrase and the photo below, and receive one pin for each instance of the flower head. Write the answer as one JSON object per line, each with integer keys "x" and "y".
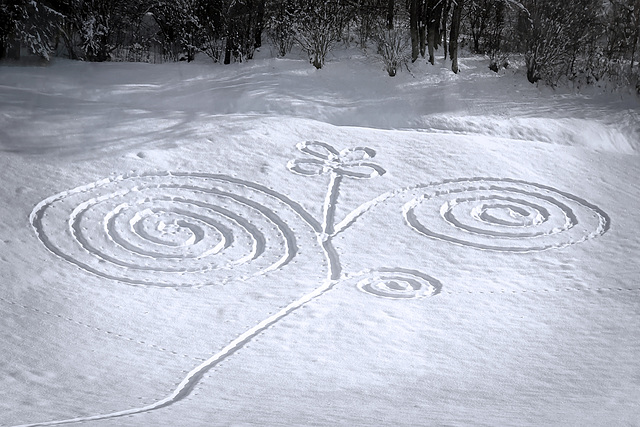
{"x": 351, "y": 162}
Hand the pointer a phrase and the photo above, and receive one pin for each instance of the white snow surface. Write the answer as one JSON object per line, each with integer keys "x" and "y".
{"x": 268, "y": 244}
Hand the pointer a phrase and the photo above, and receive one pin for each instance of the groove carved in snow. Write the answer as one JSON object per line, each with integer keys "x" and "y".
{"x": 398, "y": 283}
{"x": 178, "y": 229}
{"x": 503, "y": 215}
{"x": 171, "y": 229}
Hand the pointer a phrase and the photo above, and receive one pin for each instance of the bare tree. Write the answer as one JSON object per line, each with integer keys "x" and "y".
{"x": 390, "y": 13}
{"x": 416, "y": 27}
{"x": 445, "y": 19}
{"x": 433, "y": 19}
{"x": 393, "y": 46}
{"x": 455, "y": 33}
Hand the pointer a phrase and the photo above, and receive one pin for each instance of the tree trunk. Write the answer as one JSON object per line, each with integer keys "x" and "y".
{"x": 636, "y": 37}
{"x": 433, "y": 17}
{"x": 431, "y": 39}
{"x": 445, "y": 15}
{"x": 227, "y": 51}
{"x": 231, "y": 44}
{"x": 103, "y": 51}
{"x": 532, "y": 69}
{"x": 414, "y": 28}
{"x": 68, "y": 42}
{"x": 3, "y": 47}
{"x": 532, "y": 75}
{"x": 500, "y": 17}
{"x": 390, "y": 11}
{"x": 476, "y": 41}
{"x": 259, "y": 23}
{"x": 14, "y": 49}
{"x": 455, "y": 32}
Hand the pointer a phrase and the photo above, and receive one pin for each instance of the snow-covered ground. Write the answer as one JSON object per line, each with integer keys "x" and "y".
{"x": 269, "y": 244}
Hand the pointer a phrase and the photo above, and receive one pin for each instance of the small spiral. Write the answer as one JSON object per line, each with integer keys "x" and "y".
{"x": 170, "y": 229}
{"x": 398, "y": 283}
{"x": 504, "y": 215}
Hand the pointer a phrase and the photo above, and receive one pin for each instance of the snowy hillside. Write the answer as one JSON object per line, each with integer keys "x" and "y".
{"x": 269, "y": 244}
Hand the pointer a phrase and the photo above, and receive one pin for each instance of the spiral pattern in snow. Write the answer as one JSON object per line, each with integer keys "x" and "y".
{"x": 398, "y": 283}
{"x": 170, "y": 229}
{"x": 504, "y": 215}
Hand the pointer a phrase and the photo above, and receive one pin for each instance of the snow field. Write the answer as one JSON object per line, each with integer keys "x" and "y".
{"x": 399, "y": 277}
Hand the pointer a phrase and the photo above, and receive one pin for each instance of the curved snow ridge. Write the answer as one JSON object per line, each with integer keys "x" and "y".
{"x": 584, "y": 133}
{"x": 504, "y": 215}
{"x": 193, "y": 228}
{"x": 397, "y": 283}
{"x": 494, "y": 214}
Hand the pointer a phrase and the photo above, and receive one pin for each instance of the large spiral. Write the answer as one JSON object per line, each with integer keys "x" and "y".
{"x": 170, "y": 229}
{"x": 503, "y": 215}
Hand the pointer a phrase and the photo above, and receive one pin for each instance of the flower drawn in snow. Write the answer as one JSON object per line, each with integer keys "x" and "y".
{"x": 350, "y": 162}
{"x": 173, "y": 226}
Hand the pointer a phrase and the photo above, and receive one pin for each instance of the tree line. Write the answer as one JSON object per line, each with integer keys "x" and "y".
{"x": 580, "y": 40}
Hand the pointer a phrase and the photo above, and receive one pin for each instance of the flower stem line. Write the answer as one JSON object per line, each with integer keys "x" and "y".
{"x": 349, "y": 162}
{"x": 190, "y": 381}
{"x": 194, "y": 376}
{"x": 330, "y": 203}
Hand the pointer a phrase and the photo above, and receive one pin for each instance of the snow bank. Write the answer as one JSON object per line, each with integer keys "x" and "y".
{"x": 574, "y": 132}
{"x": 352, "y": 90}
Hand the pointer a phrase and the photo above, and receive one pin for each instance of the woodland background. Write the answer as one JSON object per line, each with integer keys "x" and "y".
{"x": 583, "y": 41}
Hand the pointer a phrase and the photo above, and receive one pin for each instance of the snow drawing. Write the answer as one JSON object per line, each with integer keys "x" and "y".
{"x": 175, "y": 229}
{"x": 193, "y": 228}
{"x": 350, "y": 163}
{"x": 398, "y": 283}
{"x": 503, "y": 215}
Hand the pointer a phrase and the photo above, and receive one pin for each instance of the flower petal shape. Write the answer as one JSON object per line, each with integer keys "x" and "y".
{"x": 307, "y": 167}
{"x": 357, "y": 154}
{"x": 320, "y": 150}
{"x": 360, "y": 170}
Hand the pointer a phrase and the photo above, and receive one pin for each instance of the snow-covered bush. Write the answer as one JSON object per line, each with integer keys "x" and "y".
{"x": 209, "y": 28}
{"x": 93, "y": 30}
{"x": 94, "y": 36}
{"x": 279, "y": 25}
{"x": 243, "y": 28}
{"x": 178, "y": 26}
{"x": 394, "y": 47}
{"x": 317, "y": 29}
{"x": 30, "y": 23}
{"x": 554, "y": 35}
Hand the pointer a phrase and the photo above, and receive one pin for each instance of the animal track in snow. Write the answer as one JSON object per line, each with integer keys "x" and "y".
{"x": 171, "y": 229}
{"x": 503, "y": 215}
{"x": 99, "y": 329}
